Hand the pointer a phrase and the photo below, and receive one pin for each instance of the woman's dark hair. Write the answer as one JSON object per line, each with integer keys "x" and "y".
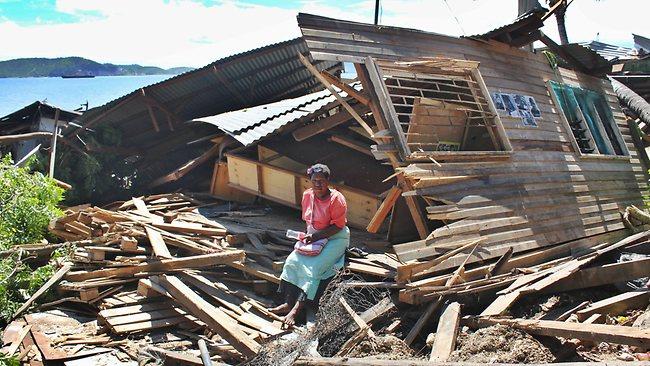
{"x": 319, "y": 168}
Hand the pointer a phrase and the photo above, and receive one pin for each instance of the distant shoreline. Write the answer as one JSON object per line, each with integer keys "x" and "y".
{"x": 72, "y": 66}
{"x": 95, "y": 77}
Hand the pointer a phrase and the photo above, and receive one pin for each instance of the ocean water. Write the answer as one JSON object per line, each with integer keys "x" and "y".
{"x": 16, "y": 93}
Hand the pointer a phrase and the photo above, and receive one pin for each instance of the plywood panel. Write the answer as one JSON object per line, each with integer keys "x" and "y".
{"x": 243, "y": 173}
{"x": 279, "y": 184}
{"x": 361, "y": 208}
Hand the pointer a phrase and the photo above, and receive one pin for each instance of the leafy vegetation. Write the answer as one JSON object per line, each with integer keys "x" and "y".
{"x": 27, "y": 204}
{"x": 9, "y": 361}
{"x": 95, "y": 177}
{"x": 18, "y": 281}
{"x": 33, "y": 67}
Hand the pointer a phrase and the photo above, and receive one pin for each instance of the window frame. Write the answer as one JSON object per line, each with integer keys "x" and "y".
{"x": 464, "y": 70}
{"x": 599, "y": 125}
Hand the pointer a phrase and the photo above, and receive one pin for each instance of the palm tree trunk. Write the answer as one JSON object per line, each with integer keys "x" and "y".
{"x": 561, "y": 25}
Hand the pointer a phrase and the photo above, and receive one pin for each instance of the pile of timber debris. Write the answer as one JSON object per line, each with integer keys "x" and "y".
{"x": 153, "y": 278}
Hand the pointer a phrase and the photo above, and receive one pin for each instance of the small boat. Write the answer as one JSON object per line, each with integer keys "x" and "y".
{"x": 77, "y": 76}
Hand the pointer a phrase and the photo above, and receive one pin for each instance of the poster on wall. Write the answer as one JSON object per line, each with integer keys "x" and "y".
{"x": 518, "y": 106}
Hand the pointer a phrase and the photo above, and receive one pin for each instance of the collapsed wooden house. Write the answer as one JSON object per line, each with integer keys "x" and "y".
{"x": 492, "y": 171}
{"x": 489, "y": 142}
{"x": 152, "y": 127}
{"x": 24, "y": 131}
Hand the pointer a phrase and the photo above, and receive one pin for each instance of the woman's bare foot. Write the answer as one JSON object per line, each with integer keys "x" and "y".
{"x": 281, "y": 309}
{"x": 290, "y": 319}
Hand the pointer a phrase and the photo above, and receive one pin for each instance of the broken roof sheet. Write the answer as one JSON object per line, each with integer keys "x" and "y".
{"x": 641, "y": 42}
{"x": 251, "y": 78}
{"x": 249, "y": 125}
{"x": 609, "y": 51}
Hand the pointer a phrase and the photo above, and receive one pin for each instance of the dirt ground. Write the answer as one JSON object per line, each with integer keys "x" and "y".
{"x": 500, "y": 344}
{"x": 386, "y": 347}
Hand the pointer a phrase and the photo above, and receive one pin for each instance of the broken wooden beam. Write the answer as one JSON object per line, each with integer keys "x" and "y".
{"x": 164, "y": 265}
{"x": 10, "y": 139}
{"x": 446, "y": 333}
{"x": 346, "y": 88}
{"x": 58, "y": 275}
{"x": 424, "y": 318}
{"x": 616, "y": 305}
{"x": 617, "y": 334}
{"x": 384, "y": 209}
{"x": 215, "y": 318}
{"x": 340, "y": 99}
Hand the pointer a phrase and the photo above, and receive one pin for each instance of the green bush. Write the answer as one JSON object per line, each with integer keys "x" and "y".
{"x": 18, "y": 282}
{"x": 9, "y": 361}
{"x": 28, "y": 201}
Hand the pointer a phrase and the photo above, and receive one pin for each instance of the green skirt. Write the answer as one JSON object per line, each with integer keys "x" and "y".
{"x": 306, "y": 272}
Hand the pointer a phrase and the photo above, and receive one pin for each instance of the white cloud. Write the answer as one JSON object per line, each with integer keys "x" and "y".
{"x": 186, "y": 33}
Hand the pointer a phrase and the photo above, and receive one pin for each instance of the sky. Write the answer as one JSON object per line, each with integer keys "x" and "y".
{"x": 169, "y": 33}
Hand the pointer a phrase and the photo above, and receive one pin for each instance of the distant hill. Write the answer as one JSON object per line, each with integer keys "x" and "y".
{"x": 76, "y": 66}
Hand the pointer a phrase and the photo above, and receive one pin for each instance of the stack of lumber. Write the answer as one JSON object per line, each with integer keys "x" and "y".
{"x": 154, "y": 275}
{"x": 154, "y": 264}
{"x": 465, "y": 298}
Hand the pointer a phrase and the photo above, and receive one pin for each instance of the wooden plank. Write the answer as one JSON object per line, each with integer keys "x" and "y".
{"x": 385, "y": 107}
{"x": 184, "y": 229}
{"x": 384, "y": 209}
{"x": 603, "y": 275}
{"x": 163, "y": 265}
{"x": 187, "y": 167}
{"x": 256, "y": 270}
{"x": 140, "y": 206}
{"x": 590, "y": 332}
{"x": 340, "y": 99}
{"x": 346, "y": 88}
{"x": 157, "y": 242}
{"x": 351, "y": 143}
{"x": 214, "y": 317}
{"x": 616, "y": 305}
{"x": 18, "y": 341}
{"x": 422, "y": 320}
{"x": 445, "y": 341}
{"x": 327, "y": 123}
{"x": 413, "y": 270}
{"x": 58, "y": 275}
{"x": 149, "y": 325}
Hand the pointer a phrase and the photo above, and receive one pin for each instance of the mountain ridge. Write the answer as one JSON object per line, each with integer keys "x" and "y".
{"x": 77, "y": 66}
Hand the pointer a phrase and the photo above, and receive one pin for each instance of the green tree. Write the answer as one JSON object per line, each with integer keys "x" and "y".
{"x": 28, "y": 201}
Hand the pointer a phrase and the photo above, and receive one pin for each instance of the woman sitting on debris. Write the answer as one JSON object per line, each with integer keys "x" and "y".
{"x": 305, "y": 277}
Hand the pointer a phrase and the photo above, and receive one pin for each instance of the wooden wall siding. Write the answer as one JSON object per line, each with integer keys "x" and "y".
{"x": 286, "y": 187}
{"x": 545, "y": 193}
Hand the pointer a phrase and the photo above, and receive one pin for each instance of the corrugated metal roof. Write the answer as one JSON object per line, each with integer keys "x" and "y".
{"x": 252, "y": 124}
{"x": 641, "y": 42}
{"x": 27, "y": 114}
{"x": 530, "y": 20}
{"x": 609, "y": 51}
{"x": 255, "y": 77}
{"x": 590, "y": 59}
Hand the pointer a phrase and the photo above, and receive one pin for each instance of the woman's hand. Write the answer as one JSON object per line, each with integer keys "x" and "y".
{"x": 308, "y": 239}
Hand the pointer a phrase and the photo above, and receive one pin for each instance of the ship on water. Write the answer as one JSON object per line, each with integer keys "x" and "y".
{"x": 77, "y": 76}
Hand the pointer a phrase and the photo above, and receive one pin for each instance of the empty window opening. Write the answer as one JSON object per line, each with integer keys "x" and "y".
{"x": 441, "y": 108}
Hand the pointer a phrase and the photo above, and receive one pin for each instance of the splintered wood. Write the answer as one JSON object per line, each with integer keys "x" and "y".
{"x": 188, "y": 275}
